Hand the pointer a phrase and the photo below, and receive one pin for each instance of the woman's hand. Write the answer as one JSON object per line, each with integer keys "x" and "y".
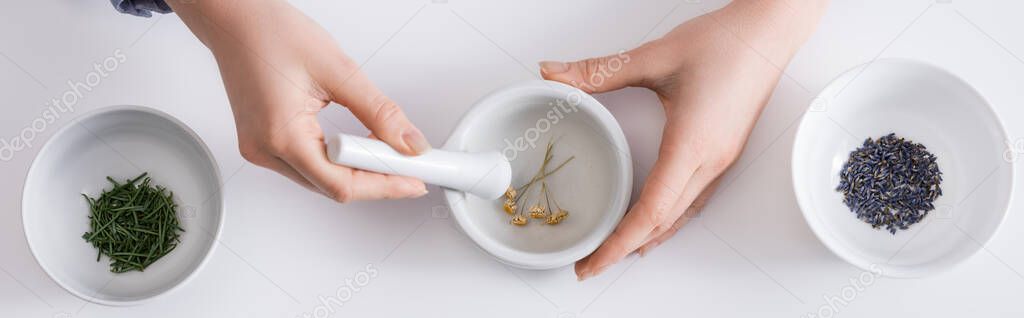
{"x": 279, "y": 69}
{"x": 713, "y": 75}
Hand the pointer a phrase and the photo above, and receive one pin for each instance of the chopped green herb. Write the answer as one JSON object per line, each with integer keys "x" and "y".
{"x": 133, "y": 223}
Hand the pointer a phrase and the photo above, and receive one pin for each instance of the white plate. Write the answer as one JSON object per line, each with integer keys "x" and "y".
{"x": 121, "y": 142}
{"x": 595, "y": 187}
{"x": 927, "y": 105}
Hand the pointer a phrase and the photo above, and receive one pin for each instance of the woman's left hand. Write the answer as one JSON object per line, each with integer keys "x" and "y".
{"x": 713, "y": 75}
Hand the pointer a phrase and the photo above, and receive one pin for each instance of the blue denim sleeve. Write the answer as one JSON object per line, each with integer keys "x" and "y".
{"x": 142, "y": 8}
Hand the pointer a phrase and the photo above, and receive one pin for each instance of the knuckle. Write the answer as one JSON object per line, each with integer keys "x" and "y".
{"x": 699, "y": 203}
{"x": 657, "y": 214}
{"x": 693, "y": 211}
{"x": 393, "y": 190}
{"x": 675, "y": 227}
{"x": 660, "y": 228}
{"x": 593, "y": 66}
{"x": 723, "y": 161}
{"x": 277, "y": 146}
{"x": 656, "y": 217}
{"x": 253, "y": 153}
{"x": 397, "y": 188}
{"x": 386, "y": 110}
{"x": 339, "y": 192}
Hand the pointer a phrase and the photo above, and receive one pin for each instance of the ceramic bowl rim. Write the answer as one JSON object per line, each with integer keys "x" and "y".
{"x": 602, "y": 117}
{"x": 805, "y": 206}
{"x": 104, "y": 111}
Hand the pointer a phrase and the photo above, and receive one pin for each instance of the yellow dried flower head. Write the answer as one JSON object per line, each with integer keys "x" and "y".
{"x": 510, "y": 206}
{"x": 557, "y": 217}
{"x": 510, "y": 193}
{"x": 519, "y": 219}
{"x": 538, "y": 212}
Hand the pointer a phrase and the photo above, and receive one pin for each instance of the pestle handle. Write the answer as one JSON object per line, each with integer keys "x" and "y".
{"x": 484, "y": 174}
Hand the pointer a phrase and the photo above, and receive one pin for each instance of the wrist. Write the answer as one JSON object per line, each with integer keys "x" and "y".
{"x": 796, "y": 18}
{"x": 191, "y": 14}
{"x": 218, "y": 24}
{"x": 775, "y": 28}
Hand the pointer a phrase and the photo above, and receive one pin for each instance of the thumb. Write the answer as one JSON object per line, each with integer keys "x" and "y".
{"x": 595, "y": 75}
{"x": 379, "y": 113}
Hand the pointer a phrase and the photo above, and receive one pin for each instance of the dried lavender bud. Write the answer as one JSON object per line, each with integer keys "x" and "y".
{"x": 890, "y": 182}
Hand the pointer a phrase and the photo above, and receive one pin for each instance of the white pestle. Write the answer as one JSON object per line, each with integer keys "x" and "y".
{"x": 484, "y": 174}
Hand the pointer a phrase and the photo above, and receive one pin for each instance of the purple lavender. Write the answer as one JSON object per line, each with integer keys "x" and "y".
{"x": 890, "y": 182}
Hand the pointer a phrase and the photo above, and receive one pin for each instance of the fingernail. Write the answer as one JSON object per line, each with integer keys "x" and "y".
{"x": 414, "y": 194}
{"x": 415, "y": 140}
{"x": 548, "y": 67}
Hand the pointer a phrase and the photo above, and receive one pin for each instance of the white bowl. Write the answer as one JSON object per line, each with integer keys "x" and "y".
{"x": 595, "y": 187}
{"x": 927, "y": 105}
{"x": 121, "y": 142}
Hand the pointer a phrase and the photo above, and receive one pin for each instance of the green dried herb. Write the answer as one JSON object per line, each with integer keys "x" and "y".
{"x": 133, "y": 223}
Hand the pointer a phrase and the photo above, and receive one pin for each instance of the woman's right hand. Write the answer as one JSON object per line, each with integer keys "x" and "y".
{"x": 280, "y": 69}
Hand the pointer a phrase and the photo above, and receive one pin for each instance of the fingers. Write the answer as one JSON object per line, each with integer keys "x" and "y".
{"x": 345, "y": 184}
{"x": 578, "y": 268}
{"x": 596, "y": 75}
{"x": 691, "y": 212}
{"x": 670, "y": 175}
{"x": 375, "y": 110}
{"x": 657, "y": 240}
{"x": 284, "y": 169}
{"x": 702, "y": 180}
{"x": 258, "y": 156}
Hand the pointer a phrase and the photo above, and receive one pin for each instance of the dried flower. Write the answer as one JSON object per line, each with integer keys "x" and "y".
{"x": 519, "y": 219}
{"x": 510, "y": 194}
{"x": 890, "y": 182}
{"x": 510, "y": 206}
{"x": 538, "y": 212}
{"x": 557, "y": 217}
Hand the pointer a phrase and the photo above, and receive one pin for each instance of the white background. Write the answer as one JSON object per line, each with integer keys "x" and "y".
{"x": 282, "y": 247}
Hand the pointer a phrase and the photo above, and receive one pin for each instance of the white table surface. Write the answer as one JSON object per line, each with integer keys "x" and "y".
{"x": 282, "y": 248}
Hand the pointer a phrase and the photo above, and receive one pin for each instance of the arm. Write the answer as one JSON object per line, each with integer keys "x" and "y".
{"x": 713, "y": 74}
